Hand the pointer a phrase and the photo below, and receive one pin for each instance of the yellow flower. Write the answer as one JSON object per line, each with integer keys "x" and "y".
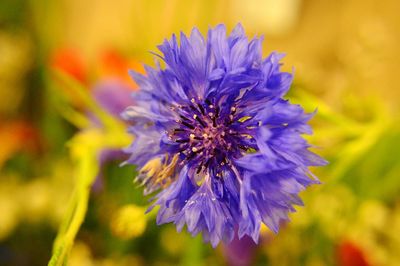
{"x": 128, "y": 222}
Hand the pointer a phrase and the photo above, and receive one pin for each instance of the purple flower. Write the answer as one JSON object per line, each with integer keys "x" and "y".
{"x": 216, "y": 139}
{"x": 113, "y": 96}
{"x": 240, "y": 252}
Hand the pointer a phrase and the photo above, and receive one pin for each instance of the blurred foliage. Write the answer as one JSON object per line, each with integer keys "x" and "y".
{"x": 85, "y": 148}
{"x": 55, "y": 184}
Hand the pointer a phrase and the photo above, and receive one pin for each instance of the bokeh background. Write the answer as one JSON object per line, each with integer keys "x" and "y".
{"x": 63, "y": 79}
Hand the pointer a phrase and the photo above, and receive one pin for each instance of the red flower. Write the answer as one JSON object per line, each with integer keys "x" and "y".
{"x": 349, "y": 254}
{"x": 69, "y": 61}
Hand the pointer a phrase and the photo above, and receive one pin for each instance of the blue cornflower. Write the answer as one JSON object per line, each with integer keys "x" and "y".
{"x": 216, "y": 139}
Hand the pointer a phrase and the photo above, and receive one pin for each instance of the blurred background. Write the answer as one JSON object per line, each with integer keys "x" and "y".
{"x": 63, "y": 81}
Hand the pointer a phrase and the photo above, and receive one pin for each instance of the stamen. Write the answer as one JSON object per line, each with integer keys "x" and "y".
{"x": 198, "y": 150}
{"x": 182, "y": 140}
{"x": 214, "y": 122}
{"x": 207, "y": 163}
{"x": 242, "y": 147}
{"x": 193, "y": 108}
{"x": 200, "y": 121}
{"x": 201, "y": 109}
{"x": 190, "y": 156}
{"x": 184, "y": 117}
{"x": 217, "y": 111}
{"x": 198, "y": 169}
{"x": 187, "y": 124}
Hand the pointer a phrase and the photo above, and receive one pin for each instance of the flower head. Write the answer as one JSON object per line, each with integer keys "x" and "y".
{"x": 215, "y": 137}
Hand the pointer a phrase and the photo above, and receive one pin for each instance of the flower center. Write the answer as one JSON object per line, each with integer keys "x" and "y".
{"x": 204, "y": 135}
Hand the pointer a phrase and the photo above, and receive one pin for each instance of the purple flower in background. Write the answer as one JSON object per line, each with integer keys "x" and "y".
{"x": 113, "y": 96}
{"x": 240, "y": 252}
{"x": 216, "y": 139}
